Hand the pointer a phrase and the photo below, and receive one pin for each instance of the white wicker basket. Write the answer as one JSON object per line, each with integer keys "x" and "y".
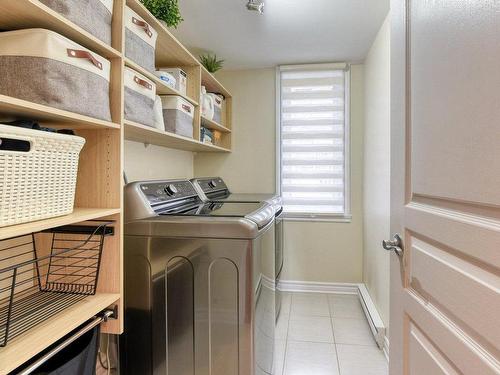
{"x": 39, "y": 183}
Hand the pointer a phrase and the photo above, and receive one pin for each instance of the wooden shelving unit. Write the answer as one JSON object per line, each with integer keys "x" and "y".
{"x": 23, "y": 109}
{"x": 145, "y": 134}
{"x": 170, "y": 53}
{"x": 99, "y": 191}
{"x": 27, "y": 14}
{"x": 78, "y": 215}
{"x": 210, "y": 124}
{"x": 21, "y": 349}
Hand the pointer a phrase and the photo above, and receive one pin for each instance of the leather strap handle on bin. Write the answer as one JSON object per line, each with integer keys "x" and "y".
{"x": 143, "y": 25}
{"x": 81, "y": 54}
{"x": 143, "y": 83}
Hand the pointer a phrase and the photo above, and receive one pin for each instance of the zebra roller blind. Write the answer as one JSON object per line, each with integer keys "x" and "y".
{"x": 314, "y": 140}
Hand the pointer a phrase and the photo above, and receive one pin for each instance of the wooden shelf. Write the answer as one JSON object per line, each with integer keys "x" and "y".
{"x": 161, "y": 88}
{"x": 25, "y": 14}
{"x": 78, "y": 215}
{"x": 145, "y": 134}
{"x": 211, "y": 83}
{"x": 169, "y": 51}
{"x": 210, "y": 124}
{"x": 24, "y": 109}
{"x": 26, "y": 346}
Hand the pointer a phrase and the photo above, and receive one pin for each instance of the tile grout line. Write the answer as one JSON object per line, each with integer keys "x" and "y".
{"x": 282, "y": 372}
{"x": 330, "y": 309}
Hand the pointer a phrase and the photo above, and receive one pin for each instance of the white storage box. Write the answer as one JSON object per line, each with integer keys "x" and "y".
{"x": 140, "y": 94}
{"x": 37, "y": 174}
{"x": 167, "y": 78}
{"x": 180, "y": 79}
{"x": 94, "y": 16}
{"x": 140, "y": 40}
{"x": 218, "y": 103}
{"x": 44, "y": 67}
{"x": 178, "y": 115}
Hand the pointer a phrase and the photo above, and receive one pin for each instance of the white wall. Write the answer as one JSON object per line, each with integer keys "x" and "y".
{"x": 315, "y": 251}
{"x": 154, "y": 162}
{"x": 250, "y": 168}
{"x": 376, "y": 189}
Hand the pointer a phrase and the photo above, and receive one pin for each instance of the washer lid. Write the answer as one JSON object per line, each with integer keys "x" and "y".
{"x": 260, "y": 213}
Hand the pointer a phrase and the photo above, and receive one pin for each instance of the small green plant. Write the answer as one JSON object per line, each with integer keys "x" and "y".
{"x": 165, "y": 10}
{"x": 211, "y": 63}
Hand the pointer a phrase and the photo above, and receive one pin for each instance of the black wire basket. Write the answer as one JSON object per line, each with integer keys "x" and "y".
{"x": 43, "y": 273}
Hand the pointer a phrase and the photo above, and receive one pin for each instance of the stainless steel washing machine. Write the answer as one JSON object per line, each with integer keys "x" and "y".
{"x": 199, "y": 283}
{"x": 215, "y": 189}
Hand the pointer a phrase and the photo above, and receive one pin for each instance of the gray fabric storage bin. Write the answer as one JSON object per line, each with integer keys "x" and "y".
{"x": 44, "y": 67}
{"x": 140, "y": 94}
{"x": 178, "y": 115}
{"x": 94, "y": 16}
{"x": 140, "y": 40}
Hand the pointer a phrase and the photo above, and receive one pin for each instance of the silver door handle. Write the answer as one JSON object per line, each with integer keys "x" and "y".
{"x": 396, "y": 245}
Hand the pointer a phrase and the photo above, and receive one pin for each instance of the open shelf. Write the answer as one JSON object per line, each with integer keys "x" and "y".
{"x": 78, "y": 215}
{"x": 161, "y": 88}
{"x": 25, "y": 109}
{"x": 26, "y": 346}
{"x": 211, "y": 83}
{"x": 169, "y": 51}
{"x": 210, "y": 124}
{"x": 145, "y": 134}
{"x": 25, "y": 14}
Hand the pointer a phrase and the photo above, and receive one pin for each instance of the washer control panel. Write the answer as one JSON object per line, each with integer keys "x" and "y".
{"x": 159, "y": 192}
{"x": 209, "y": 185}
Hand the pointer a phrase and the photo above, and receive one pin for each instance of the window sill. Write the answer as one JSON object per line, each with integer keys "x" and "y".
{"x": 323, "y": 218}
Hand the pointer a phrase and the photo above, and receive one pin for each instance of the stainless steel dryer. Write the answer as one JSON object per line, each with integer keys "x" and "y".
{"x": 199, "y": 283}
{"x": 214, "y": 189}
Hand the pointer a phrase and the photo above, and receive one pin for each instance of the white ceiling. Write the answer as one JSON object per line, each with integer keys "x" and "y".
{"x": 289, "y": 32}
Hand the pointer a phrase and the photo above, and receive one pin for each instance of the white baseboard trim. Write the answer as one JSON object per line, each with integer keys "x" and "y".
{"x": 372, "y": 315}
{"x": 316, "y": 287}
{"x": 386, "y": 348}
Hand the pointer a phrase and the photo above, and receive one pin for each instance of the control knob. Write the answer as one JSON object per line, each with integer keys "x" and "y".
{"x": 171, "y": 189}
{"x": 212, "y": 184}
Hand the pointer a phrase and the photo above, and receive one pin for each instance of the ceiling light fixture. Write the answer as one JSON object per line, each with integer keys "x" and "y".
{"x": 256, "y": 6}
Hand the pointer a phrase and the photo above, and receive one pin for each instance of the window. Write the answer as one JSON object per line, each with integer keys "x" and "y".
{"x": 313, "y": 130}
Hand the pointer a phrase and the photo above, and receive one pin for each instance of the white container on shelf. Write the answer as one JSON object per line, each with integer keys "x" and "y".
{"x": 38, "y": 172}
{"x": 218, "y": 103}
{"x": 178, "y": 115}
{"x": 167, "y": 78}
{"x": 180, "y": 78}
{"x": 207, "y": 104}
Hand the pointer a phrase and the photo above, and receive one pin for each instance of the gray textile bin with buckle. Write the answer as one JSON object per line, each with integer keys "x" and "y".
{"x": 178, "y": 115}
{"x": 140, "y": 40}
{"x": 94, "y": 16}
{"x": 44, "y": 67}
{"x": 140, "y": 95}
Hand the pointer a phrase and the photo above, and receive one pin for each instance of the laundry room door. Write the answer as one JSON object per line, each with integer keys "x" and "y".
{"x": 445, "y": 189}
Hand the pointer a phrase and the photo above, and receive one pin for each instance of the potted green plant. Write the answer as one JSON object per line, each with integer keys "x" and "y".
{"x": 166, "y": 11}
{"x": 211, "y": 63}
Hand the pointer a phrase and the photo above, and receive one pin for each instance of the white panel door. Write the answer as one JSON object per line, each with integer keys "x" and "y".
{"x": 445, "y": 144}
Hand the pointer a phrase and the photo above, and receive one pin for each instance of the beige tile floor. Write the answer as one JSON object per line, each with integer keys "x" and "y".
{"x": 325, "y": 334}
